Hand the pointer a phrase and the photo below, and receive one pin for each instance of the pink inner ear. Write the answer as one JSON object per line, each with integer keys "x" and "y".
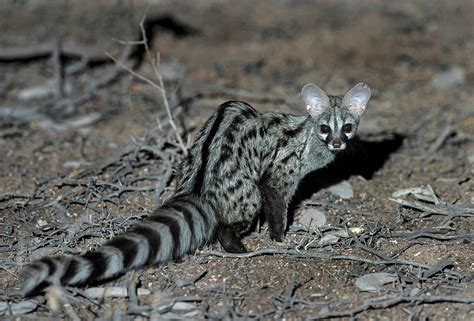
{"x": 357, "y": 98}
{"x": 315, "y": 99}
{"x": 314, "y": 110}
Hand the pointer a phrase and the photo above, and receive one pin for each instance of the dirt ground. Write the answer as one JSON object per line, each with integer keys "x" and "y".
{"x": 88, "y": 149}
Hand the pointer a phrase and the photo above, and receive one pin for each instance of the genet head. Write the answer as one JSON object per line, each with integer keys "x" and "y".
{"x": 336, "y": 117}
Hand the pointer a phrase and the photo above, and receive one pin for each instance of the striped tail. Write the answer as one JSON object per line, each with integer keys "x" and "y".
{"x": 180, "y": 226}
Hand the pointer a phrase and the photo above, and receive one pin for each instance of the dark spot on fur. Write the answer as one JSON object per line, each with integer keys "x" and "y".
{"x": 285, "y": 160}
{"x": 230, "y": 137}
{"x": 274, "y": 122}
{"x": 291, "y": 133}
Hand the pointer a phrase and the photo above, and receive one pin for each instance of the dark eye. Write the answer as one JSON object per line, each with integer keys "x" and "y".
{"x": 325, "y": 129}
{"x": 347, "y": 128}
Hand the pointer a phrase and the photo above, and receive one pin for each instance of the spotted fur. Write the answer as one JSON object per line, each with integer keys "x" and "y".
{"x": 242, "y": 163}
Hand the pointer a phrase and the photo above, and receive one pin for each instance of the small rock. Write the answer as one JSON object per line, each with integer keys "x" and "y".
{"x": 448, "y": 79}
{"x": 113, "y": 292}
{"x": 41, "y": 223}
{"x": 23, "y": 307}
{"x": 373, "y": 282}
{"x": 189, "y": 310}
{"x": 343, "y": 190}
{"x": 75, "y": 164}
{"x": 470, "y": 156}
{"x": 357, "y": 230}
{"x": 408, "y": 191}
{"x": 415, "y": 292}
{"x": 311, "y": 217}
{"x": 340, "y": 233}
{"x": 83, "y": 120}
{"x": 328, "y": 239}
{"x": 42, "y": 91}
{"x": 180, "y": 311}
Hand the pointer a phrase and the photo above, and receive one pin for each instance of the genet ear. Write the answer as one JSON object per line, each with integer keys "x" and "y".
{"x": 356, "y": 98}
{"x": 315, "y": 99}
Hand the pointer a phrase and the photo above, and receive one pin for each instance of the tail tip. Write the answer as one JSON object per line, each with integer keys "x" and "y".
{"x": 34, "y": 280}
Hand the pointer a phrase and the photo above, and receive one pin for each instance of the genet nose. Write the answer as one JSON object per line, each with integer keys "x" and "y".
{"x": 336, "y": 144}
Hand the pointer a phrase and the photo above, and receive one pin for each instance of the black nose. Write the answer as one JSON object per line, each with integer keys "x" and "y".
{"x": 336, "y": 144}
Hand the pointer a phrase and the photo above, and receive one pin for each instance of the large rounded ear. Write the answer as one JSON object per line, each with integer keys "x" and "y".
{"x": 356, "y": 98}
{"x": 315, "y": 99}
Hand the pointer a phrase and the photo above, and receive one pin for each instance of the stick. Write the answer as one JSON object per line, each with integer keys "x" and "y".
{"x": 325, "y": 256}
{"x": 156, "y": 65}
{"x": 467, "y": 212}
{"x": 43, "y": 50}
{"x": 390, "y": 302}
{"x": 441, "y": 139}
{"x": 165, "y": 100}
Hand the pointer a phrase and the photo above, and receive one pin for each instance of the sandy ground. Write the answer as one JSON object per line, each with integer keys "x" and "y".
{"x": 69, "y": 150}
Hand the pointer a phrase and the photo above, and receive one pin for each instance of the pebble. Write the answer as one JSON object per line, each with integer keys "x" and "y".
{"x": 373, "y": 282}
{"x": 450, "y": 78}
{"x": 328, "y": 239}
{"x": 343, "y": 190}
{"x": 311, "y": 217}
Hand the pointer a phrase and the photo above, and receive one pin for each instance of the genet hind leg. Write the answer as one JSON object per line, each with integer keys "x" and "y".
{"x": 239, "y": 202}
{"x": 230, "y": 238}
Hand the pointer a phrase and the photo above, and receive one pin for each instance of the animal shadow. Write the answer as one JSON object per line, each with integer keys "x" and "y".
{"x": 365, "y": 158}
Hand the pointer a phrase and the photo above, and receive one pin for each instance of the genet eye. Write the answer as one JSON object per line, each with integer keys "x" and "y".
{"x": 347, "y": 128}
{"x": 325, "y": 129}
